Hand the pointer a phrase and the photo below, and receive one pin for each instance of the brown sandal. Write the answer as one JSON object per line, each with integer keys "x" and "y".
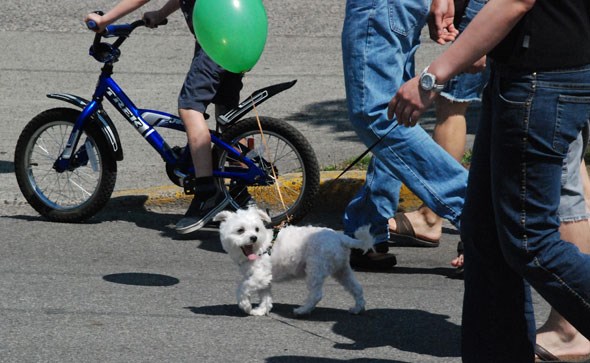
{"x": 405, "y": 235}
{"x": 543, "y": 355}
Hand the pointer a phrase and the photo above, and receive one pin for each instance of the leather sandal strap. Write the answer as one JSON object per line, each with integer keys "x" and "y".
{"x": 544, "y": 355}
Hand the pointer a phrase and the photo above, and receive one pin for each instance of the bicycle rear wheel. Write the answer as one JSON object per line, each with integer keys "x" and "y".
{"x": 288, "y": 160}
{"x": 76, "y": 193}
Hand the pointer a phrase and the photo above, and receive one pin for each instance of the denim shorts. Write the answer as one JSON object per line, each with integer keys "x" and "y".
{"x": 467, "y": 87}
{"x": 572, "y": 206}
{"x": 206, "y": 82}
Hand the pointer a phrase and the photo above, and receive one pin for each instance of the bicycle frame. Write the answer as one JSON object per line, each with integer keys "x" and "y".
{"x": 144, "y": 121}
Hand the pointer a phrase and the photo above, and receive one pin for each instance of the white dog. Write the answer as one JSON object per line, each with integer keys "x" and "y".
{"x": 311, "y": 252}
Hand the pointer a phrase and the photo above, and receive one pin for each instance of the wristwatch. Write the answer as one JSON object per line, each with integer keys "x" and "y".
{"x": 428, "y": 82}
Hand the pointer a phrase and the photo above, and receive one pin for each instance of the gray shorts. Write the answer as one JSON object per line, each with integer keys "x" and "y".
{"x": 206, "y": 82}
{"x": 572, "y": 206}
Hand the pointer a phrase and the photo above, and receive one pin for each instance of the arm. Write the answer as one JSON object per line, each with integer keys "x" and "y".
{"x": 123, "y": 8}
{"x": 487, "y": 29}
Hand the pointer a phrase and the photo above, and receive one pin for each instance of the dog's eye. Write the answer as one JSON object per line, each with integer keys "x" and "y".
{"x": 257, "y": 229}
{"x": 241, "y": 230}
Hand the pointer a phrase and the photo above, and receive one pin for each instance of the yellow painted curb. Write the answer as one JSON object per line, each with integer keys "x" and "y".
{"x": 343, "y": 190}
{"x": 335, "y": 194}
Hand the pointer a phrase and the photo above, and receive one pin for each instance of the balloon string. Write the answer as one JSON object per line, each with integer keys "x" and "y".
{"x": 268, "y": 157}
{"x": 272, "y": 168}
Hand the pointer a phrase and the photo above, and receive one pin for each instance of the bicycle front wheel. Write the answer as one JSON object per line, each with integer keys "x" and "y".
{"x": 76, "y": 193}
{"x": 286, "y": 157}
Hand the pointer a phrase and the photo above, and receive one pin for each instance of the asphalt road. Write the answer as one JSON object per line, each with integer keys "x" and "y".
{"x": 123, "y": 287}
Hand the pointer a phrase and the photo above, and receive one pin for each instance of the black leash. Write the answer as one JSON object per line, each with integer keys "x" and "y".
{"x": 361, "y": 156}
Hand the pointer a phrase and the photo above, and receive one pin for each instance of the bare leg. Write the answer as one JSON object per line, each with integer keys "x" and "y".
{"x": 199, "y": 141}
{"x": 450, "y": 133}
{"x": 557, "y": 335}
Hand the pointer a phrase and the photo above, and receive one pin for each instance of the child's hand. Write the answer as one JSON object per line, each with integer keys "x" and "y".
{"x": 97, "y": 19}
{"x": 153, "y": 18}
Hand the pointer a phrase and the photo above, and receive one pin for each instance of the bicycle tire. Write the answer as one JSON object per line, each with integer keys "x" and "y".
{"x": 292, "y": 157}
{"x": 75, "y": 194}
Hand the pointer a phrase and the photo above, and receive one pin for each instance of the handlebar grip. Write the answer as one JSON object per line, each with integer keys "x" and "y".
{"x": 91, "y": 24}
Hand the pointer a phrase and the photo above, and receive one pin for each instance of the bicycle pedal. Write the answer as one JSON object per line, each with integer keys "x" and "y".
{"x": 189, "y": 184}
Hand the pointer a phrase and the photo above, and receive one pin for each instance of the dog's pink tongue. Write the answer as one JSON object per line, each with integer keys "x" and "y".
{"x": 249, "y": 252}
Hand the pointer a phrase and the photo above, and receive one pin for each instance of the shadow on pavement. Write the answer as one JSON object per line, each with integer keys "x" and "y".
{"x": 297, "y": 359}
{"x": 132, "y": 209}
{"x": 217, "y": 310}
{"x": 334, "y": 113}
{"x": 328, "y": 113}
{"x": 141, "y": 279}
{"x": 6, "y": 167}
{"x": 409, "y": 330}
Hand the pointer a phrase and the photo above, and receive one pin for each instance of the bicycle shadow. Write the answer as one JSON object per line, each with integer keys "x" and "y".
{"x": 132, "y": 209}
{"x": 409, "y": 330}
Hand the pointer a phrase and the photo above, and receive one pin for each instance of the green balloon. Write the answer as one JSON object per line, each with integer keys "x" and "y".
{"x": 231, "y": 32}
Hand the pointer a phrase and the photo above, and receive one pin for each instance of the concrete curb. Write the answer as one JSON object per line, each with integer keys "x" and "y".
{"x": 333, "y": 195}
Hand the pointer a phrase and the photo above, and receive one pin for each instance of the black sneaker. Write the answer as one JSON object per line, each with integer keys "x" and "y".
{"x": 201, "y": 211}
{"x": 377, "y": 260}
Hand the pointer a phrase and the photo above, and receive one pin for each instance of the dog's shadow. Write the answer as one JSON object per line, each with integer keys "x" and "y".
{"x": 409, "y": 330}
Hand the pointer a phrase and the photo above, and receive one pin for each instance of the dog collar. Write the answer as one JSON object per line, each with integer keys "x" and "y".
{"x": 266, "y": 252}
{"x": 275, "y": 234}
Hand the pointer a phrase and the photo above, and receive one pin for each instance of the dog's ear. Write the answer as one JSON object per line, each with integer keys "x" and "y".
{"x": 263, "y": 215}
{"x": 222, "y": 216}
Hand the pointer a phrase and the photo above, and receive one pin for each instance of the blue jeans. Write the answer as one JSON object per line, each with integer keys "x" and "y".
{"x": 467, "y": 87}
{"x": 510, "y": 221}
{"x": 379, "y": 40}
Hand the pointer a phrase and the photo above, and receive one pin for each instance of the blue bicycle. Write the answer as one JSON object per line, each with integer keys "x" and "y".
{"x": 66, "y": 159}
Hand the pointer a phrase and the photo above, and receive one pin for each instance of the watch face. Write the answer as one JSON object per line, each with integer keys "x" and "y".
{"x": 427, "y": 82}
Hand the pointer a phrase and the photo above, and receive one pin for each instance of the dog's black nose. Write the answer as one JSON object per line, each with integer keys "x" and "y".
{"x": 253, "y": 238}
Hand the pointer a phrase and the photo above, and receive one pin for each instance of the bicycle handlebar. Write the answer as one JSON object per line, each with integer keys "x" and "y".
{"x": 104, "y": 52}
{"x": 118, "y": 30}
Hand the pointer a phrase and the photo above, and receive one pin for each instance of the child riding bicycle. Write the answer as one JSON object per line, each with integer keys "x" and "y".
{"x": 205, "y": 83}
